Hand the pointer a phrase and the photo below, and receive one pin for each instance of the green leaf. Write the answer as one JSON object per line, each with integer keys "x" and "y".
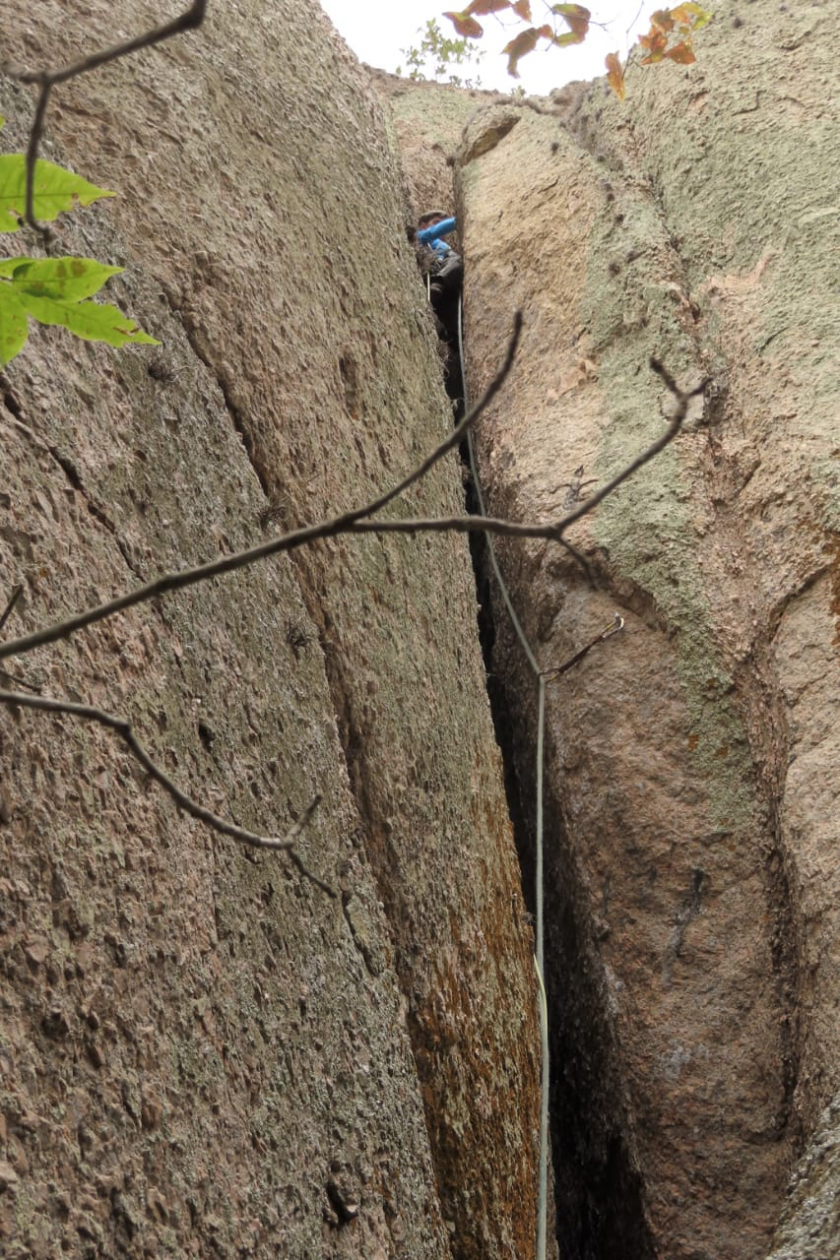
{"x": 55, "y": 189}
{"x": 67, "y": 279}
{"x": 54, "y": 291}
{"x": 13, "y": 327}
{"x": 93, "y": 321}
{"x": 564, "y": 41}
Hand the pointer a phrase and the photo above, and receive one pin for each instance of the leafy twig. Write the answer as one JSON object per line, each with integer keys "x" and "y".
{"x": 123, "y": 728}
{"x": 48, "y": 79}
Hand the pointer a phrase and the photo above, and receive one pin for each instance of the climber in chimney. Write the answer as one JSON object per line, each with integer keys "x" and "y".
{"x": 439, "y": 259}
{"x": 444, "y": 271}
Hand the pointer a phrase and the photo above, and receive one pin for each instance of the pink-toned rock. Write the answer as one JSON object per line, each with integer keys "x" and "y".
{"x": 693, "y": 788}
{"x": 194, "y": 990}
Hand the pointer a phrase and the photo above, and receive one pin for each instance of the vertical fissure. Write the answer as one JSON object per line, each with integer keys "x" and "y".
{"x": 598, "y": 1190}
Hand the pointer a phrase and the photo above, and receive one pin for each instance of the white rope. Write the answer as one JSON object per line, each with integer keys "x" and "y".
{"x": 539, "y": 960}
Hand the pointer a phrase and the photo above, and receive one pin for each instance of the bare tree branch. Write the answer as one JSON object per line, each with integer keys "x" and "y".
{"x": 343, "y": 524}
{"x": 458, "y": 433}
{"x": 123, "y": 728}
{"x": 353, "y": 522}
{"x": 20, "y": 682}
{"x": 17, "y": 591}
{"x": 680, "y": 413}
{"x": 47, "y": 80}
{"x": 348, "y": 523}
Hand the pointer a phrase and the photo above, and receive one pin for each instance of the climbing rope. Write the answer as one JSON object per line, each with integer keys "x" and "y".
{"x": 539, "y": 958}
{"x": 539, "y": 926}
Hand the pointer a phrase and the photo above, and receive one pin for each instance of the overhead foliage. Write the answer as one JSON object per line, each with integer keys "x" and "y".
{"x": 435, "y": 55}
{"x": 53, "y": 290}
{"x": 668, "y": 25}
{"x": 669, "y": 37}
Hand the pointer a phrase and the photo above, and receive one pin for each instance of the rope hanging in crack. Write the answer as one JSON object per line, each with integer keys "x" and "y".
{"x": 539, "y": 959}
{"x": 542, "y": 676}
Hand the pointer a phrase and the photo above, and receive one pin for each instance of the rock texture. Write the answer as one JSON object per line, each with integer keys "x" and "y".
{"x": 693, "y": 889}
{"x": 200, "y": 1053}
{"x": 810, "y": 1224}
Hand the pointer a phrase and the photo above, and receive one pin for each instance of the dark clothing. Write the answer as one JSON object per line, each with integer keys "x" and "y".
{"x": 443, "y": 271}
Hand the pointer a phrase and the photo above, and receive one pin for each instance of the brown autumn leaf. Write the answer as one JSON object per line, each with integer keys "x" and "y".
{"x": 662, "y": 20}
{"x": 655, "y": 42}
{"x": 484, "y": 7}
{"x": 466, "y": 26}
{"x": 682, "y": 53}
{"x": 692, "y": 15}
{"x": 615, "y": 75}
{"x": 576, "y": 18}
{"x": 524, "y": 42}
{"x": 522, "y": 9}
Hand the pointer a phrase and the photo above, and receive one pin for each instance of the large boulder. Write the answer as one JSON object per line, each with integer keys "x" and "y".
{"x": 201, "y": 1053}
{"x": 692, "y": 786}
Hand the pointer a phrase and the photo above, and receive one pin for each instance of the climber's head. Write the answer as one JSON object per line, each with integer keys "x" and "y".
{"x": 430, "y": 218}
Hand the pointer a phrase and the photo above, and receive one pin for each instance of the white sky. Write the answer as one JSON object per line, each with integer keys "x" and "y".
{"x": 377, "y": 30}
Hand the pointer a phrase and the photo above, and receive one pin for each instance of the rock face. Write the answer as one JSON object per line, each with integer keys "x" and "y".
{"x": 692, "y": 814}
{"x": 200, "y": 1052}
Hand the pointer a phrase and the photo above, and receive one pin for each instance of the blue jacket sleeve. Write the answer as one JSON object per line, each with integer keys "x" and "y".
{"x": 427, "y": 236}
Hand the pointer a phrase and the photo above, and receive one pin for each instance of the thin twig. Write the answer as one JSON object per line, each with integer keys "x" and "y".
{"x": 353, "y": 523}
{"x": 20, "y": 682}
{"x": 668, "y": 436}
{"x": 123, "y": 729}
{"x": 17, "y": 591}
{"x": 47, "y": 80}
{"x": 458, "y": 433}
{"x": 348, "y": 522}
{"x": 551, "y": 675}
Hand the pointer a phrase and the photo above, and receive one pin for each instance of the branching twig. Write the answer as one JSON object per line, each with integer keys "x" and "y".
{"x": 458, "y": 433}
{"x": 47, "y": 80}
{"x": 348, "y": 522}
{"x": 354, "y": 522}
{"x": 123, "y": 729}
{"x": 17, "y": 591}
{"x": 19, "y": 682}
{"x": 668, "y": 436}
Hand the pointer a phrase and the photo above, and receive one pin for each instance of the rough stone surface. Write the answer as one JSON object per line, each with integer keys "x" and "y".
{"x": 692, "y": 811}
{"x": 200, "y": 1053}
{"x": 810, "y": 1224}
